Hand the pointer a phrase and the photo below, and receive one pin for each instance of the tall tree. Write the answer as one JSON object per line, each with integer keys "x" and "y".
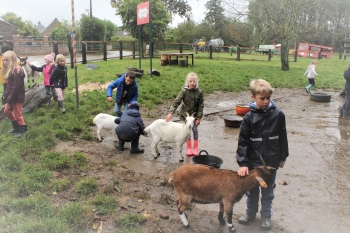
{"x": 24, "y": 28}
{"x": 61, "y": 31}
{"x": 159, "y": 15}
{"x": 215, "y": 14}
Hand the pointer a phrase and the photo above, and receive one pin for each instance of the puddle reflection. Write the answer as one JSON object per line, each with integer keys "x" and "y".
{"x": 344, "y": 128}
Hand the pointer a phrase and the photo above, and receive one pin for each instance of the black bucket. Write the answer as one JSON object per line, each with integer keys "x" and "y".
{"x": 207, "y": 159}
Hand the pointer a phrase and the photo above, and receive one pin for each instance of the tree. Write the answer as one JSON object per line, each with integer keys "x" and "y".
{"x": 61, "y": 31}
{"x": 160, "y": 17}
{"x": 110, "y": 29}
{"x": 184, "y": 32}
{"x": 179, "y": 7}
{"x": 215, "y": 14}
{"x": 24, "y": 28}
{"x": 92, "y": 28}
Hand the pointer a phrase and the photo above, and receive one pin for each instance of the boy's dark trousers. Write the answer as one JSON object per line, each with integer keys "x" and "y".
{"x": 267, "y": 196}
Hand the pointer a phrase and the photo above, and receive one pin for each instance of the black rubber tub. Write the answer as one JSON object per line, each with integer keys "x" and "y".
{"x": 207, "y": 159}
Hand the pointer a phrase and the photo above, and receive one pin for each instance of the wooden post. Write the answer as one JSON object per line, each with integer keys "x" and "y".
{"x": 55, "y": 47}
{"x": 238, "y": 53}
{"x": 181, "y": 48}
{"x": 83, "y": 52}
{"x": 133, "y": 50}
{"x": 120, "y": 50}
{"x": 269, "y": 55}
{"x": 210, "y": 52}
{"x": 105, "y": 50}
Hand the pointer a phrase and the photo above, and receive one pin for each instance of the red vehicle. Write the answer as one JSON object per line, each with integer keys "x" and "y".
{"x": 314, "y": 50}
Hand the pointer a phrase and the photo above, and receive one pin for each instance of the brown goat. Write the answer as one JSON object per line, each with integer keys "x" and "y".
{"x": 204, "y": 184}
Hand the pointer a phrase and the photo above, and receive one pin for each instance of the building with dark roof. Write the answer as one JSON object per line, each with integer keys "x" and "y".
{"x": 7, "y": 30}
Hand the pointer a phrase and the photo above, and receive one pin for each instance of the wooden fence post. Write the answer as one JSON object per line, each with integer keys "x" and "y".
{"x": 83, "y": 52}
{"x": 55, "y": 47}
{"x": 210, "y": 52}
{"x": 238, "y": 53}
{"x": 120, "y": 50}
{"x": 105, "y": 50}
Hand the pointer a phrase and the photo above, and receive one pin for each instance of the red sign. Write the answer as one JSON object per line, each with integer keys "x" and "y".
{"x": 143, "y": 13}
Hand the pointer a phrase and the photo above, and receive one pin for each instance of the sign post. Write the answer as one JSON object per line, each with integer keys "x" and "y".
{"x": 144, "y": 17}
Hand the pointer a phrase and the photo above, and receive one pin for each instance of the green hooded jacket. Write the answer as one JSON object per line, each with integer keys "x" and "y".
{"x": 192, "y": 102}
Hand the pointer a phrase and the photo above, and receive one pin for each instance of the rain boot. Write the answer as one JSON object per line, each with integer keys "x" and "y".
{"x": 61, "y": 106}
{"x": 195, "y": 148}
{"x": 341, "y": 112}
{"x": 15, "y": 127}
{"x": 189, "y": 148}
{"x": 22, "y": 130}
{"x": 48, "y": 101}
{"x": 135, "y": 147}
{"x": 346, "y": 114}
{"x": 120, "y": 145}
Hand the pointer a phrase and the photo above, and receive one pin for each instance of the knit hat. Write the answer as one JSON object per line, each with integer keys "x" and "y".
{"x": 134, "y": 105}
{"x": 50, "y": 57}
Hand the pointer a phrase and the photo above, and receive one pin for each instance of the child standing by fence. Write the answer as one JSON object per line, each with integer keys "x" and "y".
{"x": 310, "y": 73}
{"x": 59, "y": 80}
{"x": 15, "y": 93}
{"x": 192, "y": 101}
{"x": 47, "y": 70}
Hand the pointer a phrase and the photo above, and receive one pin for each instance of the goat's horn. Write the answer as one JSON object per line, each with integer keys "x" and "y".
{"x": 263, "y": 162}
{"x": 187, "y": 114}
{"x": 261, "y": 182}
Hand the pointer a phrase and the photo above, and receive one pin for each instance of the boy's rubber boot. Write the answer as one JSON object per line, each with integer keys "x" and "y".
{"x": 15, "y": 127}
{"x": 189, "y": 148}
{"x": 346, "y": 114}
{"x": 195, "y": 148}
{"x": 22, "y": 130}
{"x": 61, "y": 106}
{"x": 135, "y": 147}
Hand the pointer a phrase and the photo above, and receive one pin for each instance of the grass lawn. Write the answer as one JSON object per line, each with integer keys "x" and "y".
{"x": 27, "y": 164}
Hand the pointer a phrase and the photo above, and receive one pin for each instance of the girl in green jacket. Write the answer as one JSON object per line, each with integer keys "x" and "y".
{"x": 192, "y": 102}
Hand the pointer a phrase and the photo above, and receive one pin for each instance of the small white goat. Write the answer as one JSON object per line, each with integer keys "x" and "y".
{"x": 170, "y": 132}
{"x": 23, "y": 61}
{"x": 104, "y": 121}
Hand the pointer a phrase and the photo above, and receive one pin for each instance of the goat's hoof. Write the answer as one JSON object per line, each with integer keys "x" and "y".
{"x": 187, "y": 226}
{"x": 232, "y": 229}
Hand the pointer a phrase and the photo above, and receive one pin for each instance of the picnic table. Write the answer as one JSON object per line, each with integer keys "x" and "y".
{"x": 167, "y": 57}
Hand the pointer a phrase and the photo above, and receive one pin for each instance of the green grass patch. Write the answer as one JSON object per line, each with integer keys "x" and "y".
{"x": 86, "y": 186}
{"x": 27, "y": 164}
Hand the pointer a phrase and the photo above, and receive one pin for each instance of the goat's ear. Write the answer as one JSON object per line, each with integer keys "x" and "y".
{"x": 261, "y": 182}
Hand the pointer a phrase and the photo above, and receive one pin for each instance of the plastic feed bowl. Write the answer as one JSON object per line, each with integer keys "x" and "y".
{"x": 242, "y": 109}
{"x": 233, "y": 121}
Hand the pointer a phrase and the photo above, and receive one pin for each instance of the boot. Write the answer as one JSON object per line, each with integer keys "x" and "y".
{"x": 307, "y": 88}
{"x": 346, "y": 113}
{"x": 135, "y": 147}
{"x": 61, "y": 106}
{"x": 195, "y": 148}
{"x": 48, "y": 100}
{"x": 22, "y": 130}
{"x": 15, "y": 127}
{"x": 189, "y": 148}
{"x": 341, "y": 112}
{"x": 120, "y": 145}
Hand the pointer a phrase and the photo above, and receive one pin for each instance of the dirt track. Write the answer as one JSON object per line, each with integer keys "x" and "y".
{"x": 315, "y": 199}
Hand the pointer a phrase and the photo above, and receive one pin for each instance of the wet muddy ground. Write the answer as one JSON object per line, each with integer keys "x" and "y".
{"x": 315, "y": 199}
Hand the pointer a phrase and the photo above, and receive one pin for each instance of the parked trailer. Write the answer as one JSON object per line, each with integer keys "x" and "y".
{"x": 314, "y": 50}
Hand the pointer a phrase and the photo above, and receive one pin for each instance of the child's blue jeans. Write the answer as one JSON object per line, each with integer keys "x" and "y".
{"x": 117, "y": 107}
{"x": 267, "y": 196}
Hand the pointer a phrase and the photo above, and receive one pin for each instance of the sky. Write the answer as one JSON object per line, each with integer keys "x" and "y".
{"x": 45, "y": 11}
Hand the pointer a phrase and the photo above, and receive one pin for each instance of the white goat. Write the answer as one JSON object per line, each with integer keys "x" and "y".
{"x": 23, "y": 61}
{"x": 104, "y": 121}
{"x": 170, "y": 132}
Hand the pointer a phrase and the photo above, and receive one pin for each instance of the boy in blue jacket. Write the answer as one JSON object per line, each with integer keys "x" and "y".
{"x": 127, "y": 92}
{"x": 129, "y": 129}
{"x": 263, "y": 132}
